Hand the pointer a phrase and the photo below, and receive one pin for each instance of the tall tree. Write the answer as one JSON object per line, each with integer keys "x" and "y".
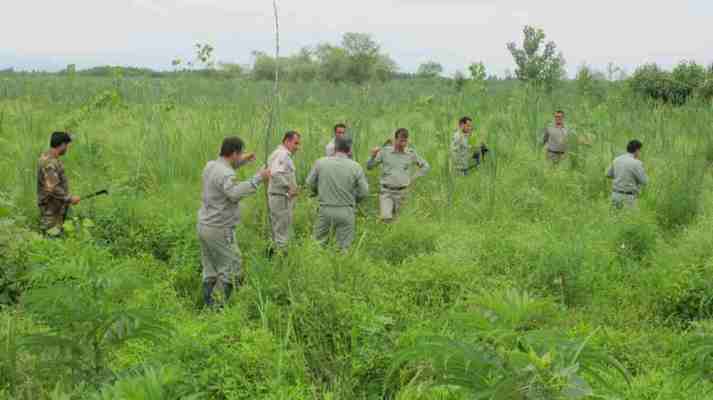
{"x": 537, "y": 62}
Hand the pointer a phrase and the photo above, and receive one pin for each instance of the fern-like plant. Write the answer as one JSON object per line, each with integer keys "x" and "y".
{"x": 506, "y": 352}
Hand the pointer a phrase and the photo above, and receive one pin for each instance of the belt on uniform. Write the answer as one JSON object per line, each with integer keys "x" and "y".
{"x": 555, "y": 152}
{"x": 393, "y": 187}
{"x": 278, "y": 194}
{"x": 627, "y": 193}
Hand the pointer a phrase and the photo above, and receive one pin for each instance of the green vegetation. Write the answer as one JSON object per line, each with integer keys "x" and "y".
{"x": 516, "y": 282}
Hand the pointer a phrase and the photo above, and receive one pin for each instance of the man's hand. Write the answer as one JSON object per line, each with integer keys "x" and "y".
{"x": 375, "y": 151}
{"x": 75, "y": 200}
{"x": 247, "y": 157}
{"x": 293, "y": 192}
{"x": 265, "y": 174}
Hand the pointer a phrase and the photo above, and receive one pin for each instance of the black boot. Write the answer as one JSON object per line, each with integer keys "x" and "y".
{"x": 208, "y": 293}
{"x": 227, "y": 290}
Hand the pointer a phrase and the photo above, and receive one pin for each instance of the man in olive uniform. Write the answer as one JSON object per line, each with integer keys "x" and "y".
{"x": 627, "y": 172}
{"x": 53, "y": 195}
{"x": 282, "y": 190}
{"x": 340, "y": 183}
{"x": 554, "y": 138}
{"x": 340, "y": 131}
{"x": 464, "y": 159}
{"x": 396, "y": 177}
{"x": 220, "y": 213}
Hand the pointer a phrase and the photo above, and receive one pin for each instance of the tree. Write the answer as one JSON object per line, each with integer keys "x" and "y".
{"x": 429, "y": 69}
{"x": 363, "y": 54}
{"x": 204, "y": 55}
{"x": 536, "y": 65}
{"x": 477, "y": 72}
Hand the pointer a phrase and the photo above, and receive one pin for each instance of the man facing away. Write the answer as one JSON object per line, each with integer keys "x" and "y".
{"x": 340, "y": 183}
{"x": 628, "y": 175}
{"x": 396, "y": 177}
{"x": 53, "y": 197}
{"x": 340, "y": 131}
{"x": 220, "y": 213}
{"x": 282, "y": 190}
{"x": 554, "y": 138}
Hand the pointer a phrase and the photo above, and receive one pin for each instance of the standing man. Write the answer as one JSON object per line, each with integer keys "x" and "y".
{"x": 627, "y": 172}
{"x": 340, "y": 183}
{"x": 220, "y": 213}
{"x": 340, "y": 131}
{"x": 53, "y": 197}
{"x": 397, "y": 159}
{"x": 464, "y": 159}
{"x": 554, "y": 138}
{"x": 282, "y": 190}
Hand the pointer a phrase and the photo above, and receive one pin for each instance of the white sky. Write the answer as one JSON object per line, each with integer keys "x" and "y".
{"x": 48, "y": 34}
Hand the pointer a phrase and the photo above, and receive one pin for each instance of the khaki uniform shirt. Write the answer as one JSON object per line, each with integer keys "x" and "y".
{"x": 628, "y": 174}
{"x": 461, "y": 152}
{"x": 396, "y": 169}
{"x": 555, "y": 139}
{"x": 283, "y": 170}
{"x": 222, "y": 194}
{"x": 52, "y": 184}
{"x": 338, "y": 181}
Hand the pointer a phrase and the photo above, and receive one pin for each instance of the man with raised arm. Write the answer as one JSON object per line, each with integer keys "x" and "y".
{"x": 220, "y": 213}
{"x": 397, "y": 160}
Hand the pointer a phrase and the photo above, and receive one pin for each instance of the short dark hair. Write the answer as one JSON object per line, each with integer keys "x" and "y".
{"x": 401, "y": 132}
{"x": 559, "y": 112}
{"x": 343, "y": 144}
{"x": 60, "y": 138}
{"x": 633, "y": 146}
{"x": 232, "y": 144}
{"x": 289, "y": 135}
{"x": 339, "y": 125}
{"x": 464, "y": 120}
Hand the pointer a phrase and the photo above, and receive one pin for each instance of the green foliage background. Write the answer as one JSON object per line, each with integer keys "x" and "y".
{"x": 635, "y": 286}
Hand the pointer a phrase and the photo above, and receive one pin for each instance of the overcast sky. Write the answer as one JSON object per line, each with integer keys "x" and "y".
{"x": 48, "y": 34}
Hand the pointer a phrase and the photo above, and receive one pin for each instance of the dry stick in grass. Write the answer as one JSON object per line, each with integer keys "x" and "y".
{"x": 274, "y": 109}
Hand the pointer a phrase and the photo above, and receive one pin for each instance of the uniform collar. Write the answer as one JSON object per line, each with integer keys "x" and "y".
{"x": 284, "y": 148}
{"x": 225, "y": 162}
{"x": 341, "y": 155}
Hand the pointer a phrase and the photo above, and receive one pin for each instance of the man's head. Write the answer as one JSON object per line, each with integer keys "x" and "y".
{"x": 559, "y": 118}
{"x": 465, "y": 125}
{"x": 634, "y": 148}
{"x": 400, "y": 139}
{"x": 340, "y": 130}
{"x": 60, "y": 141}
{"x": 291, "y": 140}
{"x": 232, "y": 149}
{"x": 343, "y": 144}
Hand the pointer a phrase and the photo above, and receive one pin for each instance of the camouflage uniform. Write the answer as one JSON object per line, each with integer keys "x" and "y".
{"x": 629, "y": 176}
{"x": 555, "y": 139}
{"x": 280, "y": 204}
{"x": 461, "y": 154}
{"x": 396, "y": 177}
{"x": 340, "y": 183}
{"x": 53, "y": 197}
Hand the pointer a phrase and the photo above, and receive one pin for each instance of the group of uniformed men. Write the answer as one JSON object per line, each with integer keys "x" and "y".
{"x": 338, "y": 181}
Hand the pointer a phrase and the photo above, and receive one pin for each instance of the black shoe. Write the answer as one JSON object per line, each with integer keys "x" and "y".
{"x": 208, "y": 293}
{"x": 227, "y": 290}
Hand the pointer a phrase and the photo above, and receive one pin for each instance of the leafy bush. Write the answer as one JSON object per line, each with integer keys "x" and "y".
{"x": 676, "y": 87}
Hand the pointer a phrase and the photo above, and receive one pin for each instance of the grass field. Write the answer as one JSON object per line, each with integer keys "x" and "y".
{"x": 517, "y": 282}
